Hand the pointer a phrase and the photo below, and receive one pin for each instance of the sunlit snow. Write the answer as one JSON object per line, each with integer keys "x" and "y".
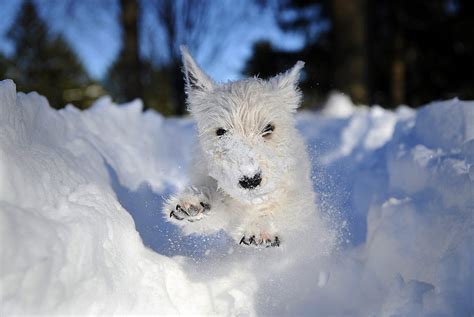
{"x": 81, "y": 229}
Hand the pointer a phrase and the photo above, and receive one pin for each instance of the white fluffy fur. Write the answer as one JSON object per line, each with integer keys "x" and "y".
{"x": 283, "y": 204}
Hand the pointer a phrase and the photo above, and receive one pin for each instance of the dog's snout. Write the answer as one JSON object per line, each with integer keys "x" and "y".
{"x": 251, "y": 182}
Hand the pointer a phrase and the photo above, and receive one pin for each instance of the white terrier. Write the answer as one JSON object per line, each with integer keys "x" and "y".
{"x": 251, "y": 174}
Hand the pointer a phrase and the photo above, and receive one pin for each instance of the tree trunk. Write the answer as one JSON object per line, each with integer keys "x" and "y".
{"x": 350, "y": 48}
{"x": 132, "y": 85}
{"x": 397, "y": 72}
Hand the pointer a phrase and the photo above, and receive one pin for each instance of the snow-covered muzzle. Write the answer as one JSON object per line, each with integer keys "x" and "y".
{"x": 246, "y": 168}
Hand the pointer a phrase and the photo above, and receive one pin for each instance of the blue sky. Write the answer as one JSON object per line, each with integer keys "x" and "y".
{"x": 96, "y": 37}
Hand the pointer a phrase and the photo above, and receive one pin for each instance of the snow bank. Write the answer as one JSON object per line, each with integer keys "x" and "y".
{"x": 81, "y": 231}
{"x": 68, "y": 246}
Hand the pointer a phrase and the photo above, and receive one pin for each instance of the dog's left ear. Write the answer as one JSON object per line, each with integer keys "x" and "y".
{"x": 289, "y": 79}
{"x": 194, "y": 77}
{"x": 286, "y": 85}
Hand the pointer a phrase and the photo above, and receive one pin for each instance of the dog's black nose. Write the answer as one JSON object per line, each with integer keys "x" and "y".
{"x": 251, "y": 182}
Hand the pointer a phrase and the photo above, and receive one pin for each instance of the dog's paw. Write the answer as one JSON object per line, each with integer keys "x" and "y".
{"x": 191, "y": 207}
{"x": 190, "y": 212}
{"x": 264, "y": 240}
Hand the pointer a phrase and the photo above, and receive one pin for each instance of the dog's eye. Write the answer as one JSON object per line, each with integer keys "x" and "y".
{"x": 268, "y": 130}
{"x": 221, "y": 131}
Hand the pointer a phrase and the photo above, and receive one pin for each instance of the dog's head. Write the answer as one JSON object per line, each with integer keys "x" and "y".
{"x": 246, "y": 129}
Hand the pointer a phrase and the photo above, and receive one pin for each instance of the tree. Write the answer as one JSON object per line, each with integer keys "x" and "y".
{"x": 45, "y": 63}
{"x": 336, "y": 31}
{"x": 129, "y": 79}
{"x": 194, "y": 23}
{"x": 156, "y": 90}
{"x": 381, "y": 51}
{"x": 421, "y": 51}
{"x": 349, "y": 34}
{"x": 152, "y": 32}
{"x": 266, "y": 61}
{"x": 310, "y": 20}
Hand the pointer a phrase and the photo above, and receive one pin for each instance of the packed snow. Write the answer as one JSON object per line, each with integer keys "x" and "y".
{"x": 81, "y": 229}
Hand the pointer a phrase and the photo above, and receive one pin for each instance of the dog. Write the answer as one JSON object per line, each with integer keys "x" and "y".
{"x": 250, "y": 175}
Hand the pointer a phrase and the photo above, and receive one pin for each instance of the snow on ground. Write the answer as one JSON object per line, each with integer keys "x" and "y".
{"x": 81, "y": 231}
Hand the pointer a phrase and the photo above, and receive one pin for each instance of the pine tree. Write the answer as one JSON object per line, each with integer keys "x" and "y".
{"x": 45, "y": 63}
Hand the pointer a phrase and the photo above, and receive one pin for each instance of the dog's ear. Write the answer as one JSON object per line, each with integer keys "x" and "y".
{"x": 289, "y": 79}
{"x": 194, "y": 76}
{"x": 286, "y": 85}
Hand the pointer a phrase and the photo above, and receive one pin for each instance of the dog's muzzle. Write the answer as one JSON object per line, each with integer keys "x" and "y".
{"x": 250, "y": 182}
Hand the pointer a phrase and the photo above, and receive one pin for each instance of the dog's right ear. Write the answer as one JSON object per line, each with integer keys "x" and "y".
{"x": 194, "y": 77}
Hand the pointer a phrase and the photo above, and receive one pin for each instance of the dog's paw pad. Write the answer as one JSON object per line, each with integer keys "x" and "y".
{"x": 264, "y": 241}
{"x": 190, "y": 212}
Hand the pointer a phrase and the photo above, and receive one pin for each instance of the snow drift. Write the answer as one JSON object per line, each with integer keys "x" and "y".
{"x": 81, "y": 229}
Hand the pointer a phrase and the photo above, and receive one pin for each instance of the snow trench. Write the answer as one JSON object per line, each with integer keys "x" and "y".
{"x": 81, "y": 229}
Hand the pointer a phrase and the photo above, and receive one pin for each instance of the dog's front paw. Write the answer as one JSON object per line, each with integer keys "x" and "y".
{"x": 261, "y": 240}
{"x": 191, "y": 212}
{"x": 191, "y": 205}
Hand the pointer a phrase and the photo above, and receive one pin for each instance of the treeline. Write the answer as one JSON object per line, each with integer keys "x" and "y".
{"x": 45, "y": 63}
{"x": 148, "y": 65}
{"x": 376, "y": 51}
